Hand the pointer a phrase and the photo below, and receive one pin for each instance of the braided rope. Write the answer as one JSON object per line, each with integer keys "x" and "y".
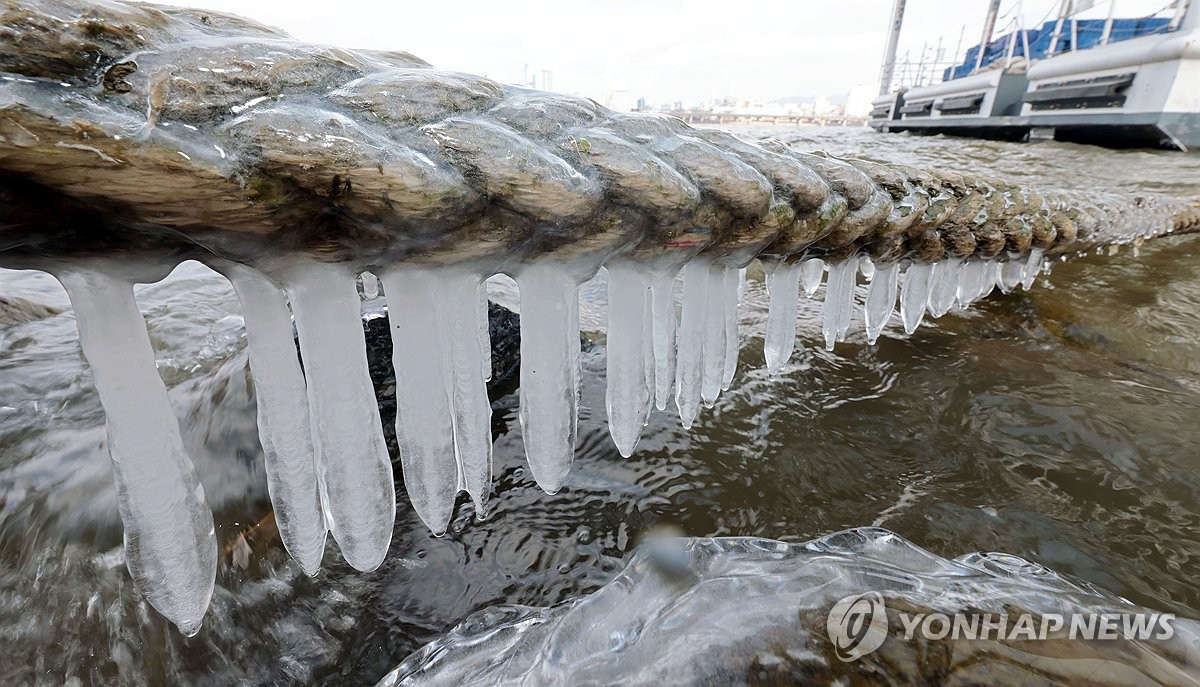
{"x": 180, "y": 126}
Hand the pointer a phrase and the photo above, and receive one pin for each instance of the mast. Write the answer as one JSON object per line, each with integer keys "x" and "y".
{"x": 1187, "y": 16}
{"x": 989, "y": 27}
{"x": 889, "y": 50}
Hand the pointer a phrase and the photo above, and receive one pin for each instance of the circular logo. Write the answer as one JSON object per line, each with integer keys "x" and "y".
{"x": 857, "y": 625}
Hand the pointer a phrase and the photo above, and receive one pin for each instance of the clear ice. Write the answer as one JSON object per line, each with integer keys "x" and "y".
{"x": 442, "y": 409}
{"x": 839, "y": 301}
{"x": 628, "y": 397}
{"x": 914, "y": 295}
{"x": 326, "y": 463}
{"x": 783, "y": 292}
{"x": 284, "y": 424}
{"x": 355, "y": 473}
{"x": 549, "y": 370}
{"x": 881, "y": 298}
{"x": 170, "y": 545}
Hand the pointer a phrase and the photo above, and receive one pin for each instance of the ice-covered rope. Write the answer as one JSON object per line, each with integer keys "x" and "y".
{"x": 167, "y": 134}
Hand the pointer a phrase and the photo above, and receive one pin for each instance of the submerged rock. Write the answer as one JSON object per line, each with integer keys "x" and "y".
{"x": 16, "y": 310}
{"x": 729, "y": 611}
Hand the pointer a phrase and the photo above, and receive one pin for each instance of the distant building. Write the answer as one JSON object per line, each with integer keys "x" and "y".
{"x": 858, "y": 100}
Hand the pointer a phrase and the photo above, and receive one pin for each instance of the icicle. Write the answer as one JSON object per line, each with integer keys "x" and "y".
{"x": 427, "y": 313}
{"x": 284, "y": 423}
{"x": 689, "y": 363}
{"x": 735, "y": 281}
{"x": 783, "y": 290}
{"x": 370, "y": 285}
{"x": 811, "y": 272}
{"x": 881, "y": 299}
{"x": 713, "y": 352}
{"x": 839, "y": 301}
{"x": 1011, "y": 273}
{"x": 355, "y": 472}
{"x": 971, "y": 281}
{"x": 648, "y": 344}
{"x": 663, "y": 314}
{"x": 945, "y": 286}
{"x": 484, "y": 334}
{"x": 914, "y": 295}
{"x": 1033, "y": 266}
{"x": 170, "y": 546}
{"x": 468, "y": 391}
{"x": 991, "y": 280}
{"x": 628, "y": 397}
{"x": 549, "y": 370}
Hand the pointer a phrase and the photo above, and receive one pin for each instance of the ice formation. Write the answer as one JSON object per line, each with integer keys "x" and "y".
{"x": 170, "y": 545}
{"x": 326, "y": 463}
{"x": 306, "y": 173}
{"x": 737, "y": 610}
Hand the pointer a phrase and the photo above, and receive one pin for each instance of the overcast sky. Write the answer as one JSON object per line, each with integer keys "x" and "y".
{"x": 665, "y": 50}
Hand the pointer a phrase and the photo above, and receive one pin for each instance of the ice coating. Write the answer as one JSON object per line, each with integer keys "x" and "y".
{"x": 737, "y": 610}
{"x": 284, "y": 422}
{"x": 170, "y": 546}
{"x": 355, "y": 472}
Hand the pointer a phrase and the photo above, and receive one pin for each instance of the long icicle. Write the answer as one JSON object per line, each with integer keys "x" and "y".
{"x": 735, "y": 282}
{"x": 914, "y": 295}
{"x": 662, "y": 300}
{"x": 170, "y": 545}
{"x": 284, "y": 421}
{"x": 783, "y": 292}
{"x": 359, "y": 496}
{"x": 549, "y": 371}
{"x": 424, "y": 412}
{"x": 484, "y": 333}
{"x": 839, "y": 301}
{"x": 468, "y": 390}
{"x": 713, "y": 347}
{"x": 627, "y": 397}
{"x": 689, "y": 362}
{"x": 944, "y": 288}
{"x": 881, "y": 299}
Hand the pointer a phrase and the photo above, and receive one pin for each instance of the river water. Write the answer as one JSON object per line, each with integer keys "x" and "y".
{"x": 1060, "y": 425}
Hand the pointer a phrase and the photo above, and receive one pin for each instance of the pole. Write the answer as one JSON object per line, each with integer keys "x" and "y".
{"x": 989, "y": 26}
{"x": 1187, "y": 16}
{"x": 937, "y": 59}
{"x": 889, "y": 49}
{"x": 921, "y": 63}
{"x": 1012, "y": 47}
{"x": 1064, "y": 11}
{"x": 1108, "y": 23}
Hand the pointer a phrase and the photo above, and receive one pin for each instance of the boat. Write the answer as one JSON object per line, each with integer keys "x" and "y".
{"x": 1113, "y": 82}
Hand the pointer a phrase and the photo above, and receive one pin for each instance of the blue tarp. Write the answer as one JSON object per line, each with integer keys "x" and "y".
{"x": 1088, "y": 33}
